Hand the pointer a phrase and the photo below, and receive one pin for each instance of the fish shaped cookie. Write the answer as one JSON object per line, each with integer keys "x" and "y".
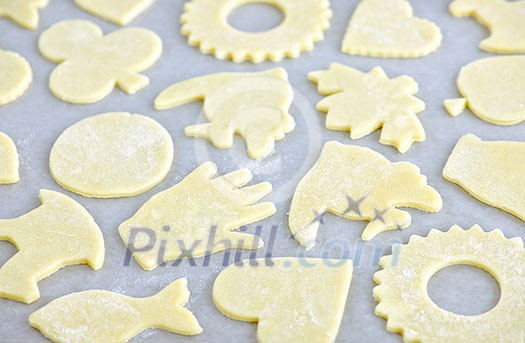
{"x": 103, "y": 316}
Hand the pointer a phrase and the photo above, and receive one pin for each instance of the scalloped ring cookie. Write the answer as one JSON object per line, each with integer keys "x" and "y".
{"x": 206, "y": 25}
{"x": 112, "y": 155}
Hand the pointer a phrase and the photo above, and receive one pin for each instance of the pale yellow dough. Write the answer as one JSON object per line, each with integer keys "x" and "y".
{"x": 252, "y": 105}
{"x": 205, "y": 22}
{"x": 112, "y": 155}
{"x": 360, "y": 184}
{"x": 103, "y": 316}
{"x": 402, "y": 290}
{"x": 364, "y": 102}
{"x": 59, "y": 233}
{"x": 91, "y": 64}
{"x": 196, "y": 216}
{"x": 504, "y": 19}
{"x": 16, "y": 76}
{"x": 492, "y": 172}
{"x": 8, "y": 160}
{"x": 22, "y": 12}
{"x": 389, "y": 29}
{"x": 120, "y": 12}
{"x": 294, "y": 300}
{"x": 493, "y": 89}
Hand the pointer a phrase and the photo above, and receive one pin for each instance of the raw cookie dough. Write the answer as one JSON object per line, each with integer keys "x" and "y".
{"x": 120, "y": 12}
{"x": 389, "y": 29}
{"x": 103, "y": 316}
{"x": 360, "y": 184}
{"x": 59, "y": 233}
{"x": 493, "y": 89}
{"x": 205, "y": 22}
{"x": 22, "y": 12}
{"x": 8, "y": 160}
{"x": 293, "y": 300}
{"x": 492, "y": 172}
{"x": 16, "y": 76}
{"x": 195, "y": 217}
{"x": 112, "y": 155}
{"x": 252, "y": 105}
{"x": 91, "y": 64}
{"x": 504, "y": 19}
{"x": 363, "y": 102}
{"x": 404, "y": 301}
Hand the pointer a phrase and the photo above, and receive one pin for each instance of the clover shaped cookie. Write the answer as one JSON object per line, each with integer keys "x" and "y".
{"x": 92, "y": 64}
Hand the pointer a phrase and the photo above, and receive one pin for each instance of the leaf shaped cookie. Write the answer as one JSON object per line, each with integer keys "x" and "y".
{"x": 59, "y": 233}
{"x": 91, "y": 64}
{"x": 360, "y": 184}
{"x": 389, "y": 29}
{"x": 252, "y": 105}
{"x": 8, "y": 160}
{"x": 504, "y": 19}
{"x": 16, "y": 76}
{"x": 363, "y": 102}
{"x": 22, "y": 12}
{"x": 293, "y": 300}
{"x": 196, "y": 216}
{"x": 492, "y": 172}
{"x": 118, "y": 11}
{"x": 103, "y": 316}
{"x": 493, "y": 89}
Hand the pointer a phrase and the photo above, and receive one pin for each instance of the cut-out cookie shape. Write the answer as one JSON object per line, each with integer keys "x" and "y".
{"x": 22, "y": 12}
{"x": 8, "y": 160}
{"x": 205, "y": 22}
{"x": 16, "y": 76}
{"x": 59, "y": 233}
{"x": 293, "y": 300}
{"x": 112, "y": 155}
{"x": 103, "y": 316}
{"x": 91, "y": 64}
{"x": 492, "y": 172}
{"x": 120, "y": 12}
{"x": 360, "y": 184}
{"x": 195, "y": 217}
{"x": 493, "y": 89}
{"x": 389, "y": 29}
{"x": 504, "y": 19}
{"x": 252, "y": 105}
{"x": 363, "y": 102}
{"x": 402, "y": 291}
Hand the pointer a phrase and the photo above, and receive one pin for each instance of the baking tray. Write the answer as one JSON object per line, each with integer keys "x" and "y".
{"x": 37, "y": 119}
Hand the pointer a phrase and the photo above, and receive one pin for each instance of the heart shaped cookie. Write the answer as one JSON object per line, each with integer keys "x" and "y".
{"x": 389, "y": 29}
{"x": 120, "y": 12}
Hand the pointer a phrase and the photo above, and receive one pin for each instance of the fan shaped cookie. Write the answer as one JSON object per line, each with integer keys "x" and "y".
{"x": 206, "y": 25}
{"x": 195, "y": 217}
{"x": 360, "y": 184}
{"x": 292, "y": 300}
{"x": 389, "y": 29}
{"x": 8, "y": 160}
{"x": 402, "y": 291}
{"x": 493, "y": 89}
{"x": 491, "y": 172}
{"x": 363, "y": 102}
{"x": 16, "y": 76}
{"x": 503, "y": 18}
{"x": 59, "y": 233}
{"x": 253, "y": 105}
{"x": 91, "y": 64}
{"x": 118, "y": 11}
{"x": 103, "y": 316}
{"x": 112, "y": 155}
{"x": 22, "y": 12}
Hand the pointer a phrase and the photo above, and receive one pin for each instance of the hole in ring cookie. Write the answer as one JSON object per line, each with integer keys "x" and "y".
{"x": 464, "y": 289}
{"x": 255, "y": 17}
